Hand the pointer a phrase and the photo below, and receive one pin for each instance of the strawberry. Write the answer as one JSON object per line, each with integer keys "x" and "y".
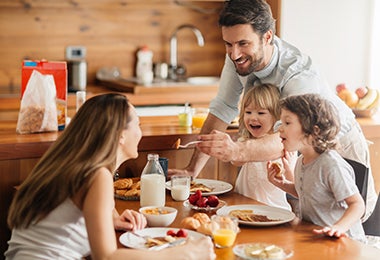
{"x": 171, "y": 233}
{"x": 202, "y": 202}
{"x": 195, "y": 197}
{"x": 213, "y": 201}
{"x": 181, "y": 233}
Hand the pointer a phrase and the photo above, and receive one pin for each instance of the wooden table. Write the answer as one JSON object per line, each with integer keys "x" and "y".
{"x": 296, "y": 236}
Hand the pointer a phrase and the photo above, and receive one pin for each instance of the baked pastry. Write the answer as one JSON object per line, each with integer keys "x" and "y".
{"x": 190, "y": 223}
{"x": 205, "y": 228}
{"x": 199, "y": 186}
{"x": 278, "y": 168}
{"x": 203, "y": 218}
{"x": 122, "y": 184}
{"x": 126, "y": 188}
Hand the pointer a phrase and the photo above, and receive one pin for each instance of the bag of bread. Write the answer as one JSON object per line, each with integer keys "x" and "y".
{"x": 38, "y": 109}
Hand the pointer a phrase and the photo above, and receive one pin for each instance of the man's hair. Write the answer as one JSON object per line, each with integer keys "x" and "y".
{"x": 254, "y": 12}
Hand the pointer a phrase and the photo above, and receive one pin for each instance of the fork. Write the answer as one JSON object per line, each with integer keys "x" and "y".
{"x": 188, "y": 144}
{"x": 140, "y": 236}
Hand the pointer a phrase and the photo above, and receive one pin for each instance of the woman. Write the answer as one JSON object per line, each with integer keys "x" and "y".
{"x": 65, "y": 208}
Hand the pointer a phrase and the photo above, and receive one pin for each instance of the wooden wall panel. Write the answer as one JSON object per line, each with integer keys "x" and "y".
{"x": 111, "y": 30}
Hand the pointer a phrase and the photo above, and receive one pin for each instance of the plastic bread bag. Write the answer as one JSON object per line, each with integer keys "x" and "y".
{"x": 38, "y": 110}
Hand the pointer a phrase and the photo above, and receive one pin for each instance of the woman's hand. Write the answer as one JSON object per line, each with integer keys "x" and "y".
{"x": 129, "y": 220}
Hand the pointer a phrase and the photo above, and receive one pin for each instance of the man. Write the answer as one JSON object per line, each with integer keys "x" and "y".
{"x": 256, "y": 56}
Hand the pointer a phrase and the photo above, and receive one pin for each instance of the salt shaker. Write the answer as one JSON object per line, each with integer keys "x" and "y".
{"x": 80, "y": 98}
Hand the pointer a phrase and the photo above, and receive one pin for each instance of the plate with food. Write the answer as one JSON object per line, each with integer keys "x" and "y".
{"x": 258, "y": 215}
{"x": 256, "y": 251}
{"x": 148, "y": 238}
{"x": 207, "y": 186}
{"x": 127, "y": 188}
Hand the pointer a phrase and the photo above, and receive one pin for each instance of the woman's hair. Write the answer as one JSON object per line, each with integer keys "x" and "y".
{"x": 254, "y": 12}
{"x": 318, "y": 118}
{"x": 88, "y": 143}
{"x": 265, "y": 96}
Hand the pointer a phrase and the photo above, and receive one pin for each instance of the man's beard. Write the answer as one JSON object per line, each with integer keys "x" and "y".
{"x": 256, "y": 62}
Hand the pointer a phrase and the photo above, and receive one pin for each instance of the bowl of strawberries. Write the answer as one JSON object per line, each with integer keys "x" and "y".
{"x": 199, "y": 202}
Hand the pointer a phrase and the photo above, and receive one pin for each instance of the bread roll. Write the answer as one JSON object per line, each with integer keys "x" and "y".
{"x": 190, "y": 223}
{"x": 205, "y": 228}
{"x": 202, "y": 217}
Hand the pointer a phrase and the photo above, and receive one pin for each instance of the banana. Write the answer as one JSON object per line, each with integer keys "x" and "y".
{"x": 375, "y": 103}
{"x": 368, "y": 99}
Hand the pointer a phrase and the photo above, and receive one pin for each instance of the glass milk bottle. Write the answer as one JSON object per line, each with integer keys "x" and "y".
{"x": 152, "y": 183}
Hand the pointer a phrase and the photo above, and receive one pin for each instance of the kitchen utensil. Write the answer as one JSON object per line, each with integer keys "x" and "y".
{"x": 178, "y": 144}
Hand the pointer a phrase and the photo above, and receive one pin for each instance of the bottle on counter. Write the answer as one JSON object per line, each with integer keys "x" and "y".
{"x": 144, "y": 67}
{"x": 152, "y": 183}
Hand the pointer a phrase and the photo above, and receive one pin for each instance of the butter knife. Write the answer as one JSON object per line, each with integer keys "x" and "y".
{"x": 166, "y": 245}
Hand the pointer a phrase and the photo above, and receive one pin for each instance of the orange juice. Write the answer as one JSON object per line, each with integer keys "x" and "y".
{"x": 199, "y": 117}
{"x": 224, "y": 237}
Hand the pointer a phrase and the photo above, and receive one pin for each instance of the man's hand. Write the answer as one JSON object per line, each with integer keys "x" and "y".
{"x": 219, "y": 145}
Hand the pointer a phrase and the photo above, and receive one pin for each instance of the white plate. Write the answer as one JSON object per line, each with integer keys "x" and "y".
{"x": 280, "y": 215}
{"x": 239, "y": 251}
{"x": 129, "y": 240}
{"x": 219, "y": 187}
{"x": 187, "y": 204}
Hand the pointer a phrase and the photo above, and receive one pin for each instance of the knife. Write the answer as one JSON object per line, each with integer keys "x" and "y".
{"x": 170, "y": 244}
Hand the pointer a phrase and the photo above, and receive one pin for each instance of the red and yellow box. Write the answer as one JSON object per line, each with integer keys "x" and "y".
{"x": 59, "y": 71}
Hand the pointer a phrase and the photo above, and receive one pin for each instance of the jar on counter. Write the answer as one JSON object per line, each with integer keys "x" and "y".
{"x": 144, "y": 67}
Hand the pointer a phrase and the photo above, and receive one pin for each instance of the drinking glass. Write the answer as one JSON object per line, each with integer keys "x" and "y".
{"x": 224, "y": 230}
{"x": 180, "y": 187}
{"x": 199, "y": 117}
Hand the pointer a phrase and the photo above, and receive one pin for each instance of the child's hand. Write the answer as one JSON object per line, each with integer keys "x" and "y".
{"x": 334, "y": 231}
{"x": 273, "y": 174}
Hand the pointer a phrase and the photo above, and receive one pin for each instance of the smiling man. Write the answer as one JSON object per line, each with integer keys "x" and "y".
{"x": 254, "y": 56}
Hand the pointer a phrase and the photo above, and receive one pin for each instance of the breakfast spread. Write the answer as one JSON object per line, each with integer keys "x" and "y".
{"x": 127, "y": 188}
{"x": 249, "y": 216}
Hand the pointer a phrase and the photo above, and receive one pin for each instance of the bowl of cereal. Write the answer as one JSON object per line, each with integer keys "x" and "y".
{"x": 159, "y": 216}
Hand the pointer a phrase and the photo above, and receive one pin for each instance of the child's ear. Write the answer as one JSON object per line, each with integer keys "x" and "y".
{"x": 317, "y": 130}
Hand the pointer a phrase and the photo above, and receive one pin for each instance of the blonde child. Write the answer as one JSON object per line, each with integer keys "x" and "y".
{"x": 258, "y": 113}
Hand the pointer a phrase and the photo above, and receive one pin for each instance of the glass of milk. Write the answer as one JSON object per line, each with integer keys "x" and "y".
{"x": 180, "y": 187}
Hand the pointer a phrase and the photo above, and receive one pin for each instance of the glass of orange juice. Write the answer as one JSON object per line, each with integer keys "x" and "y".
{"x": 199, "y": 117}
{"x": 224, "y": 230}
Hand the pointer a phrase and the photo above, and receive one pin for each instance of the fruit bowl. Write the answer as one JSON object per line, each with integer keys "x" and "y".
{"x": 364, "y": 112}
{"x": 221, "y": 203}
